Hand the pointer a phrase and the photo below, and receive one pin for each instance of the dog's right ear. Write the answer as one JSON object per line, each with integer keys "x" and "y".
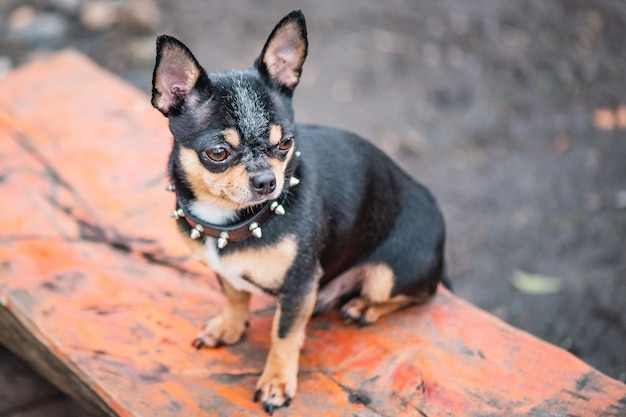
{"x": 176, "y": 74}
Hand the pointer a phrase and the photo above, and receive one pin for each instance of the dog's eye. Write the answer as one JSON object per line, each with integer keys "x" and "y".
{"x": 285, "y": 144}
{"x": 217, "y": 154}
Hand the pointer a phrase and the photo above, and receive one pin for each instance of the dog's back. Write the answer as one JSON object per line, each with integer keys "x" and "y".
{"x": 365, "y": 199}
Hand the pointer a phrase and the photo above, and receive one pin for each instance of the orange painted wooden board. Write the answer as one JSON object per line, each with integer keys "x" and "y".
{"x": 94, "y": 278}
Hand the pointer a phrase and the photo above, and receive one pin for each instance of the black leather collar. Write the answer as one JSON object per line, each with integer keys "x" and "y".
{"x": 236, "y": 232}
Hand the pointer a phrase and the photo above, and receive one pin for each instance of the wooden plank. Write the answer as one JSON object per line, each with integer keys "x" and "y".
{"x": 97, "y": 295}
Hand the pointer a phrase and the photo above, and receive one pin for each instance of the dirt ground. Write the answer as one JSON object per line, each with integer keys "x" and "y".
{"x": 512, "y": 112}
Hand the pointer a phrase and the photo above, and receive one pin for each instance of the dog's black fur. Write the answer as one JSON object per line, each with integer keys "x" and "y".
{"x": 355, "y": 226}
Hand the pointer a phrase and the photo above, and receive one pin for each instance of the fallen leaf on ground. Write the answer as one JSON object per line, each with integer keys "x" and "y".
{"x": 535, "y": 283}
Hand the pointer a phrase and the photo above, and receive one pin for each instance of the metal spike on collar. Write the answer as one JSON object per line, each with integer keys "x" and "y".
{"x": 177, "y": 214}
{"x": 277, "y": 208}
{"x": 298, "y": 154}
{"x": 256, "y": 231}
{"x": 196, "y": 232}
{"x": 293, "y": 181}
{"x": 171, "y": 188}
{"x": 222, "y": 241}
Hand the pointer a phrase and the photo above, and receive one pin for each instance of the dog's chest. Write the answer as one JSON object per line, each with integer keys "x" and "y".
{"x": 231, "y": 271}
{"x": 253, "y": 269}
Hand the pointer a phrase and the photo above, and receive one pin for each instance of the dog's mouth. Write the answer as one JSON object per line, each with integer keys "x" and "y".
{"x": 260, "y": 198}
{"x": 246, "y": 198}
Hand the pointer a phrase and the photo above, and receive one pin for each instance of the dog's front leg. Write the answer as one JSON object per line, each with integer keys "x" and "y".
{"x": 278, "y": 382}
{"x": 228, "y": 327}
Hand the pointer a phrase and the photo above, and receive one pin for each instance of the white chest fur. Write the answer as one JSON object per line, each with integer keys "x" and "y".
{"x": 230, "y": 271}
{"x": 212, "y": 214}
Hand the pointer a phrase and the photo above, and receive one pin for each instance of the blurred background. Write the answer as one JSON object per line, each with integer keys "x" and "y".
{"x": 512, "y": 112}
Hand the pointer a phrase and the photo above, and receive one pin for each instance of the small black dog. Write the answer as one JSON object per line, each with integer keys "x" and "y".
{"x": 309, "y": 214}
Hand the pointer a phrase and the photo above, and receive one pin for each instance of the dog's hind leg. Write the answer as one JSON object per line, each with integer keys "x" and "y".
{"x": 375, "y": 299}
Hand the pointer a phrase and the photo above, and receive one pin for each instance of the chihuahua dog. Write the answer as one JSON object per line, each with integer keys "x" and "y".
{"x": 312, "y": 215}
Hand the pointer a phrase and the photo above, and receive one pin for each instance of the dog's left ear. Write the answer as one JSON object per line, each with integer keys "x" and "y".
{"x": 284, "y": 53}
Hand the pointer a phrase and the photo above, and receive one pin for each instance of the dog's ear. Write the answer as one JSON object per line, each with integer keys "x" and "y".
{"x": 284, "y": 53}
{"x": 176, "y": 74}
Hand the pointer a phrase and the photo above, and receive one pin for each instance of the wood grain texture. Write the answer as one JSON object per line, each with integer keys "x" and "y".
{"x": 97, "y": 292}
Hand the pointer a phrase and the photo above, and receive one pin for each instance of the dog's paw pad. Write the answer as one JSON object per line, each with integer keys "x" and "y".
{"x": 198, "y": 343}
{"x": 369, "y": 316}
{"x": 274, "y": 394}
{"x": 353, "y": 310}
{"x": 360, "y": 311}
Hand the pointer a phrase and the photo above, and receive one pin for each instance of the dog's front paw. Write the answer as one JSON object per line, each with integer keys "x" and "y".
{"x": 275, "y": 389}
{"x": 221, "y": 330}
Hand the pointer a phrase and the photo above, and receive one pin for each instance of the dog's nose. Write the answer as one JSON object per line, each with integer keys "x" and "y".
{"x": 263, "y": 183}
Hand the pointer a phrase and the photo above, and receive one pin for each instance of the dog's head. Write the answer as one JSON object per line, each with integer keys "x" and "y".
{"x": 234, "y": 130}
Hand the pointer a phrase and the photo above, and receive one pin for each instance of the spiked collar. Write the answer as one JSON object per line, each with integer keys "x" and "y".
{"x": 236, "y": 232}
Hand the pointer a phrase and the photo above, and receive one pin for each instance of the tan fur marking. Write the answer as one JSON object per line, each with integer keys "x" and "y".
{"x": 231, "y": 323}
{"x": 354, "y": 308}
{"x": 227, "y": 189}
{"x": 377, "y": 310}
{"x": 267, "y": 265}
{"x": 378, "y": 282}
{"x": 280, "y": 62}
{"x": 232, "y": 137}
{"x": 278, "y": 167}
{"x": 279, "y": 377}
{"x": 375, "y": 302}
{"x": 276, "y": 134}
{"x": 364, "y": 311}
